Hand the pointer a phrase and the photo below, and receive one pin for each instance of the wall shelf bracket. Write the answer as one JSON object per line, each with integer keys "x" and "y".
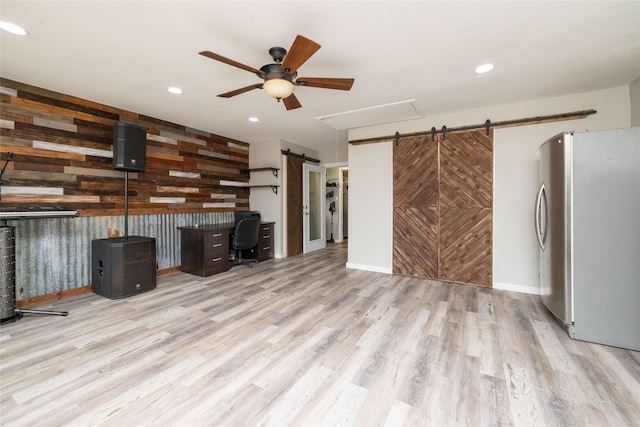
{"x": 274, "y": 171}
{"x": 273, "y": 187}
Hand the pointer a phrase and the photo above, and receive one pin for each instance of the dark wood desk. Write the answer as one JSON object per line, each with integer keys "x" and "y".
{"x": 204, "y": 249}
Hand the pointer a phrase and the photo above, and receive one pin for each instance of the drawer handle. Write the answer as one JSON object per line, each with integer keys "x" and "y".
{"x": 217, "y": 259}
{"x": 266, "y": 237}
{"x": 217, "y": 245}
{"x": 217, "y": 235}
{"x": 266, "y": 228}
{"x": 266, "y": 248}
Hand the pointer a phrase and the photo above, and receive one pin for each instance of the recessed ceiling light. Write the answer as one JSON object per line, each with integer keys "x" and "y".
{"x": 175, "y": 90}
{"x": 485, "y": 68}
{"x": 13, "y": 28}
{"x": 253, "y": 119}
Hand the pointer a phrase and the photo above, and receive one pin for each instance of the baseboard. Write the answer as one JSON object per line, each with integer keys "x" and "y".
{"x": 44, "y": 299}
{"x": 496, "y": 285}
{"x": 168, "y": 270}
{"x": 375, "y": 269}
{"x": 516, "y": 288}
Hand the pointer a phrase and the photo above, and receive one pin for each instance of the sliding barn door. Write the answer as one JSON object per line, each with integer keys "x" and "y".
{"x": 294, "y": 206}
{"x": 415, "y": 207}
{"x": 466, "y": 199}
{"x": 443, "y": 196}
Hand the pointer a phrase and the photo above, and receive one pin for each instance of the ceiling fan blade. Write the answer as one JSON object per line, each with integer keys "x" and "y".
{"x": 231, "y": 62}
{"x": 291, "y": 102}
{"x": 241, "y": 90}
{"x": 301, "y": 50}
{"x": 325, "y": 82}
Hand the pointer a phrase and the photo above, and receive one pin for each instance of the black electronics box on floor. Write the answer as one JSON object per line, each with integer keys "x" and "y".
{"x": 121, "y": 267}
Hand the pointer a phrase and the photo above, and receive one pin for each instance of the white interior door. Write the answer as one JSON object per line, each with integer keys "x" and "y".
{"x": 313, "y": 205}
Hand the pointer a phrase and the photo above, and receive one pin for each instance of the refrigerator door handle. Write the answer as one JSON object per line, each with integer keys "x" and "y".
{"x": 541, "y": 222}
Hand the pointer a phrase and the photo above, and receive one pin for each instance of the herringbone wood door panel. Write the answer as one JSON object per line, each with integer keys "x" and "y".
{"x": 465, "y": 245}
{"x": 415, "y": 252}
{"x": 415, "y": 172}
{"x": 415, "y": 199}
{"x": 466, "y": 170}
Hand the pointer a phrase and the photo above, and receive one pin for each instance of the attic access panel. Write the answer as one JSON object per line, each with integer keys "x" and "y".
{"x": 380, "y": 114}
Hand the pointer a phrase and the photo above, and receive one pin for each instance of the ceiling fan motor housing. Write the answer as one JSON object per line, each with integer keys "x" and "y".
{"x": 273, "y": 71}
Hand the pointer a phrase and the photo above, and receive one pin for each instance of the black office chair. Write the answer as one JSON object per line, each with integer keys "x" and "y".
{"x": 245, "y": 236}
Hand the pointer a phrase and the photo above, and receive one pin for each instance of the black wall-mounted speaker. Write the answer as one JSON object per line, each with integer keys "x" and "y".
{"x": 129, "y": 147}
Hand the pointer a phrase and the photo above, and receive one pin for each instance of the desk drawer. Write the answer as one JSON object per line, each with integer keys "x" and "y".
{"x": 264, "y": 249}
{"x": 216, "y": 264}
{"x": 216, "y": 246}
{"x": 216, "y": 238}
{"x": 216, "y": 252}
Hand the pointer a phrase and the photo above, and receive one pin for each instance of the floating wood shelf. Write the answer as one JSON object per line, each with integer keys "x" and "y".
{"x": 274, "y": 188}
{"x": 274, "y": 171}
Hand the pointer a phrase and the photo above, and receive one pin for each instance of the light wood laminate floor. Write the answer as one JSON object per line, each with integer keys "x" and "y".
{"x": 306, "y": 341}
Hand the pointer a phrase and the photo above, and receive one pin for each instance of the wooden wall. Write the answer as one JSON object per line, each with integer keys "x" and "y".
{"x": 63, "y": 156}
{"x": 63, "y": 153}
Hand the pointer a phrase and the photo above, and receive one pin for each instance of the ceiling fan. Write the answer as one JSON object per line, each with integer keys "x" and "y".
{"x": 281, "y": 77}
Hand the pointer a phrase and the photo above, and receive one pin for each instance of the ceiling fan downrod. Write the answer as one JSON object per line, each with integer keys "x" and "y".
{"x": 278, "y": 54}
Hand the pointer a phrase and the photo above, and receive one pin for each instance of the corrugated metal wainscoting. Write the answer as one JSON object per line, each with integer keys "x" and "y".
{"x": 54, "y": 254}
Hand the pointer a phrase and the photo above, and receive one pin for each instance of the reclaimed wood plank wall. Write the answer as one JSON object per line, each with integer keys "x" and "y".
{"x": 63, "y": 149}
{"x": 63, "y": 154}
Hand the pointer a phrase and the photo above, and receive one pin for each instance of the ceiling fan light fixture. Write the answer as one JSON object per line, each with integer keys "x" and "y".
{"x": 278, "y": 88}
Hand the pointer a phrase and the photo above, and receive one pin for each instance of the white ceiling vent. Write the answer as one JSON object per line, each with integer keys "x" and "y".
{"x": 387, "y": 113}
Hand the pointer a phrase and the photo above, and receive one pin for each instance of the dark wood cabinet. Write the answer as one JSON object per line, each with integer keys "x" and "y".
{"x": 204, "y": 249}
{"x": 264, "y": 249}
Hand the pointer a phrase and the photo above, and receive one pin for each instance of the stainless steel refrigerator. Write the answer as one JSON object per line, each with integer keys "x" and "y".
{"x": 587, "y": 222}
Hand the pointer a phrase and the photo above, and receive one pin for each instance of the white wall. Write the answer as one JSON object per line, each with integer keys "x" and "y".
{"x": 298, "y": 149}
{"x": 267, "y": 154}
{"x": 634, "y": 89}
{"x": 371, "y": 207}
{"x": 515, "y": 179}
{"x": 338, "y": 152}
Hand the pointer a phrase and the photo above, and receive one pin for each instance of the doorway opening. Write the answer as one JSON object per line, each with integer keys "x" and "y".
{"x": 337, "y": 206}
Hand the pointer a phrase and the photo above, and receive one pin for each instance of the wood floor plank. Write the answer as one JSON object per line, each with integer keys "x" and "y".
{"x": 305, "y": 341}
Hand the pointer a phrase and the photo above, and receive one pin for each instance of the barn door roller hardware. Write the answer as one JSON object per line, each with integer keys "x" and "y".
{"x": 302, "y": 156}
{"x": 486, "y": 125}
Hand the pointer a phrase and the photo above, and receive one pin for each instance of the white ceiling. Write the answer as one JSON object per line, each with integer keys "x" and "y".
{"x": 126, "y": 53}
